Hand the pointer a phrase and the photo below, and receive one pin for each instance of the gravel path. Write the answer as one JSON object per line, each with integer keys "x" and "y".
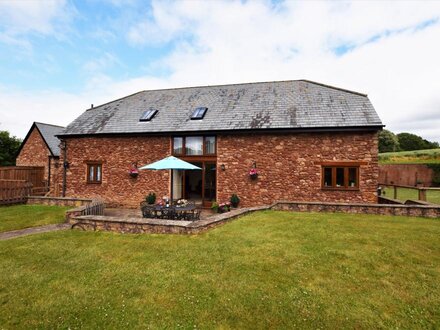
{"x": 33, "y": 230}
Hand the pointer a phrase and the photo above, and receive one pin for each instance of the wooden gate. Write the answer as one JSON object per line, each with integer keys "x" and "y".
{"x": 14, "y": 191}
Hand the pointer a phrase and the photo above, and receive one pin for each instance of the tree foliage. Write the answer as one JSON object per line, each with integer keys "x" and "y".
{"x": 408, "y": 141}
{"x": 8, "y": 148}
{"x": 388, "y": 141}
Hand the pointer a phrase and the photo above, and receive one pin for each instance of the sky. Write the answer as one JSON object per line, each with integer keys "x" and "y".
{"x": 59, "y": 57}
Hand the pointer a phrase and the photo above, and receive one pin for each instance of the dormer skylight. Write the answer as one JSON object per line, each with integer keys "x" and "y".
{"x": 147, "y": 115}
{"x": 199, "y": 113}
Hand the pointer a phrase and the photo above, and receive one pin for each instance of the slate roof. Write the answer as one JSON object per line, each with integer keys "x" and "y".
{"x": 295, "y": 104}
{"x": 49, "y": 133}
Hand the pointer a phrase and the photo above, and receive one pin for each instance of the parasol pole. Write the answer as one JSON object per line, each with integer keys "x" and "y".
{"x": 172, "y": 183}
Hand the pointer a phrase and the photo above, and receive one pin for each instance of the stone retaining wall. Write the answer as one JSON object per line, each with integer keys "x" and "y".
{"x": 387, "y": 200}
{"x": 379, "y": 209}
{"x": 155, "y": 226}
{"x": 59, "y": 201}
{"x": 406, "y": 174}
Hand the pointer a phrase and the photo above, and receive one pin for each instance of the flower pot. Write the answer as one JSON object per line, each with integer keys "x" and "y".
{"x": 253, "y": 176}
{"x": 134, "y": 174}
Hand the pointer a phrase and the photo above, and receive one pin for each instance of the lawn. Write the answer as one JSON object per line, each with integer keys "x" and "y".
{"x": 265, "y": 270}
{"x": 24, "y": 216}
{"x": 428, "y": 156}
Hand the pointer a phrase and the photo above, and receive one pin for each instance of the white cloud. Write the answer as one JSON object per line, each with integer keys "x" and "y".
{"x": 105, "y": 61}
{"x": 394, "y": 56}
{"x": 44, "y": 17}
{"x": 160, "y": 28}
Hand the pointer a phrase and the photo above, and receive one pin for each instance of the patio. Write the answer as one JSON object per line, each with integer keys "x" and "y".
{"x": 137, "y": 213}
{"x": 131, "y": 221}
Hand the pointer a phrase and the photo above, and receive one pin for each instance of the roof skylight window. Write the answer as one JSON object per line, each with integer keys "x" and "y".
{"x": 199, "y": 113}
{"x": 147, "y": 115}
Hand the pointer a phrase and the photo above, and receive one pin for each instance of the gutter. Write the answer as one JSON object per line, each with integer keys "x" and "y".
{"x": 372, "y": 128}
{"x": 63, "y": 146}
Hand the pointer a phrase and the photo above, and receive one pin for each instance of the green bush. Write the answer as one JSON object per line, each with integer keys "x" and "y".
{"x": 436, "y": 178}
{"x": 214, "y": 207}
{"x": 151, "y": 198}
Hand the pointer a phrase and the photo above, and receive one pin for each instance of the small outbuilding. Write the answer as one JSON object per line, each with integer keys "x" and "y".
{"x": 41, "y": 148}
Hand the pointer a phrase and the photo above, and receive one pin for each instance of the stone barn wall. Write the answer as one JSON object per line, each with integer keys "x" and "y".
{"x": 34, "y": 152}
{"x": 288, "y": 166}
{"x": 288, "y": 169}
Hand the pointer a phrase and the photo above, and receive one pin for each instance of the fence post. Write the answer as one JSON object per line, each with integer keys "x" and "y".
{"x": 395, "y": 192}
{"x": 422, "y": 194}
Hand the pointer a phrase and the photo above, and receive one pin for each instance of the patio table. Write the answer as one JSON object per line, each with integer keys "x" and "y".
{"x": 173, "y": 212}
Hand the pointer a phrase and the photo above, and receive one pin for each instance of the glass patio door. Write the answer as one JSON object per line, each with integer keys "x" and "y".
{"x": 198, "y": 186}
{"x": 209, "y": 183}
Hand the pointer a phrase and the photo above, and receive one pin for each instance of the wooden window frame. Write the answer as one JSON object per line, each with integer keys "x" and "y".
{"x": 346, "y": 168}
{"x": 95, "y": 165}
{"x": 183, "y": 146}
{"x": 204, "y": 154}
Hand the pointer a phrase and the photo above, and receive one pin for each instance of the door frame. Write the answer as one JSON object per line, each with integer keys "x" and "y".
{"x": 203, "y": 160}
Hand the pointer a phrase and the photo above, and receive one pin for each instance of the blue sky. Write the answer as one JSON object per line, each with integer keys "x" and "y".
{"x": 58, "y": 57}
{"x": 92, "y": 40}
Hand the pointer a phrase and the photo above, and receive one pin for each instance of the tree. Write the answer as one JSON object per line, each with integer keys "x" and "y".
{"x": 388, "y": 141}
{"x": 8, "y": 148}
{"x": 408, "y": 141}
{"x": 431, "y": 145}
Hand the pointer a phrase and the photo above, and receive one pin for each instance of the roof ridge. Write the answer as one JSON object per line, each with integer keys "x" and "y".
{"x": 121, "y": 98}
{"x": 237, "y": 84}
{"x": 333, "y": 87}
{"x": 37, "y": 122}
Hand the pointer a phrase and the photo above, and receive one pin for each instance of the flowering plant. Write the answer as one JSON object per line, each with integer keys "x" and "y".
{"x": 182, "y": 203}
{"x": 253, "y": 173}
{"x": 224, "y": 207}
{"x": 133, "y": 170}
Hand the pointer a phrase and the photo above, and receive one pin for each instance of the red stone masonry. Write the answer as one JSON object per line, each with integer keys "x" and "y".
{"x": 34, "y": 152}
{"x": 117, "y": 154}
{"x": 287, "y": 166}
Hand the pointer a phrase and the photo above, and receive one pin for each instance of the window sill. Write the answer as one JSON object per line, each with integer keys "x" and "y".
{"x": 94, "y": 182}
{"x": 340, "y": 188}
{"x": 204, "y": 155}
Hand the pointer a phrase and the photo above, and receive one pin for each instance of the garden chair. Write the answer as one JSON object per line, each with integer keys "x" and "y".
{"x": 168, "y": 213}
{"x": 195, "y": 214}
{"x": 148, "y": 211}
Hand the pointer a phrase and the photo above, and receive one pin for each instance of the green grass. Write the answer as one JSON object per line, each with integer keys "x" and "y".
{"x": 428, "y": 156}
{"x": 265, "y": 270}
{"x": 433, "y": 196}
{"x": 24, "y": 216}
{"x": 403, "y": 194}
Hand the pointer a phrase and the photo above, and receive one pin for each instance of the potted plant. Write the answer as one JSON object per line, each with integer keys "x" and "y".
{"x": 134, "y": 172}
{"x": 235, "y": 200}
{"x": 224, "y": 207}
{"x": 151, "y": 198}
{"x": 214, "y": 207}
{"x": 253, "y": 173}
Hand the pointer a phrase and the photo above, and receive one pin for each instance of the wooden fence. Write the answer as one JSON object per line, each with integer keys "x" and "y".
{"x": 32, "y": 174}
{"x": 419, "y": 193}
{"x": 14, "y": 191}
